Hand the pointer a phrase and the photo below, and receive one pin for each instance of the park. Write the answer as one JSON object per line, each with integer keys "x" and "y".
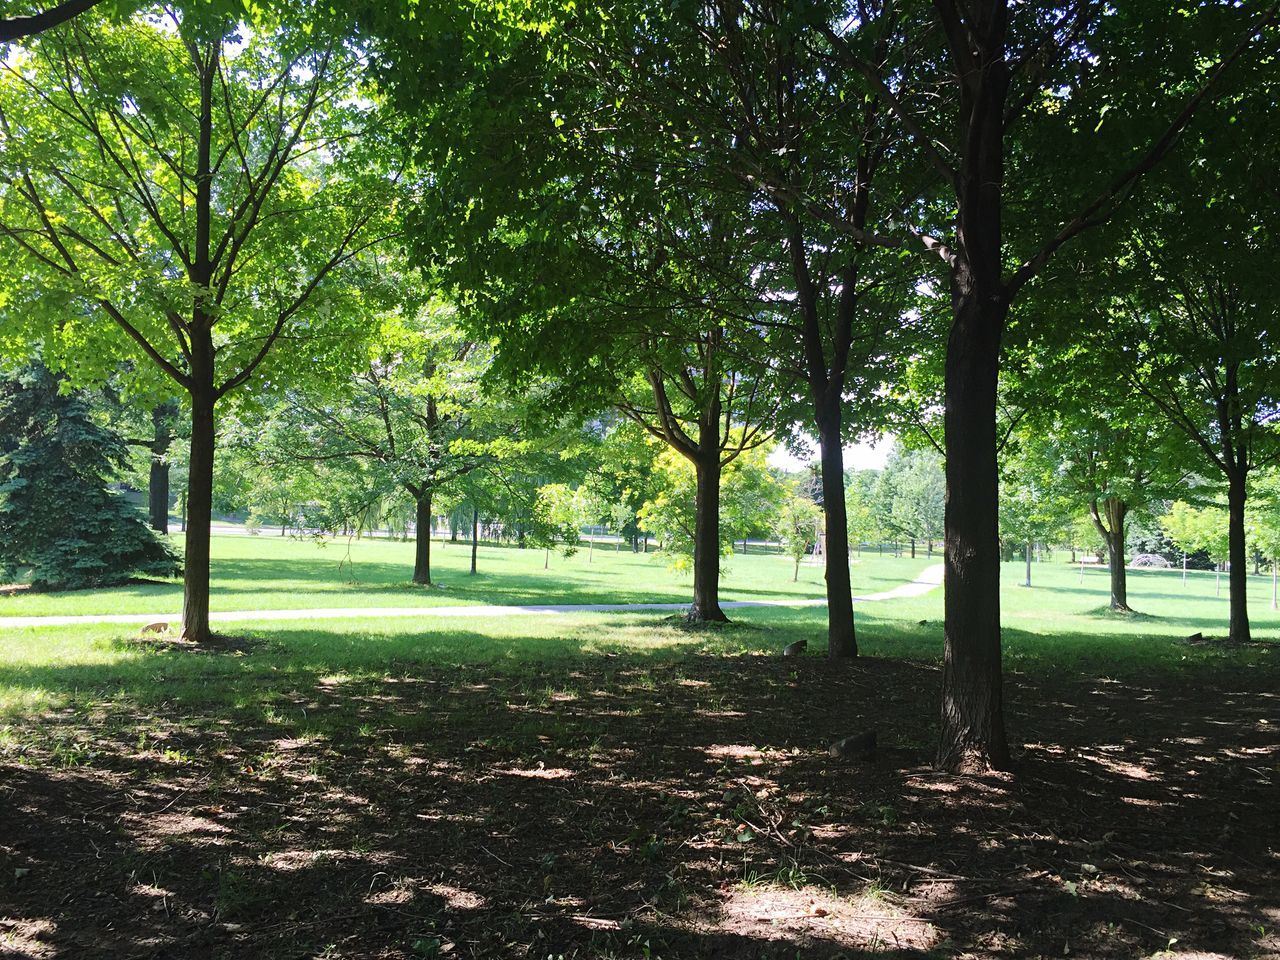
{"x": 560, "y": 480}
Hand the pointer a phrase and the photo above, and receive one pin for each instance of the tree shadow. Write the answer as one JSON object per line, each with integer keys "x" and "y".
{"x": 623, "y": 806}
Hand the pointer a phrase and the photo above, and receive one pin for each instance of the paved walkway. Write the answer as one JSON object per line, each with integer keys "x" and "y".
{"x": 926, "y": 581}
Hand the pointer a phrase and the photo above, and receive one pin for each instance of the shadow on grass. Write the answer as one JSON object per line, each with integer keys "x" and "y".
{"x": 595, "y": 806}
{"x": 288, "y": 655}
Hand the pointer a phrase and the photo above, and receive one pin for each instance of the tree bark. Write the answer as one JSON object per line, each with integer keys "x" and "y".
{"x": 158, "y": 479}
{"x": 973, "y": 734}
{"x": 1237, "y": 558}
{"x": 199, "y": 510}
{"x": 475, "y": 537}
{"x": 15, "y": 28}
{"x": 1112, "y": 532}
{"x": 158, "y": 494}
{"x": 842, "y": 641}
{"x": 706, "y": 539}
{"x": 201, "y": 387}
{"x": 422, "y": 549}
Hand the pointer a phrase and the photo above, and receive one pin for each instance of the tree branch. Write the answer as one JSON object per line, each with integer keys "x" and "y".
{"x": 15, "y": 28}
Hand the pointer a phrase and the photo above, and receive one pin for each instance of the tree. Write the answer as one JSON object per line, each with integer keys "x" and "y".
{"x": 1195, "y": 529}
{"x": 154, "y": 431}
{"x": 412, "y": 419}
{"x": 59, "y": 520}
{"x": 912, "y": 489}
{"x": 797, "y": 526}
{"x": 749, "y": 493}
{"x": 194, "y": 195}
{"x": 1029, "y": 513}
{"x": 711, "y": 415}
{"x": 863, "y": 508}
{"x": 556, "y": 521}
{"x": 710, "y": 137}
{"x": 1190, "y": 323}
{"x": 1265, "y": 498}
{"x": 1091, "y": 446}
{"x": 996, "y": 100}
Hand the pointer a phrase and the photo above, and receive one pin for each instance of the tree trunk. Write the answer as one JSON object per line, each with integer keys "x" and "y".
{"x": 913, "y": 548}
{"x": 1027, "y": 581}
{"x": 973, "y": 735}
{"x": 1237, "y": 558}
{"x": 422, "y": 549}
{"x": 1113, "y": 533}
{"x": 842, "y": 641}
{"x": 199, "y": 510}
{"x": 158, "y": 493}
{"x": 475, "y": 537}
{"x": 158, "y": 479}
{"x": 706, "y": 539}
{"x": 1111, "y": 529}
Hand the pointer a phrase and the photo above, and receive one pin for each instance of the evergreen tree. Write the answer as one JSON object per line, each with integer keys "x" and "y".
{"x": 59, "y": 519}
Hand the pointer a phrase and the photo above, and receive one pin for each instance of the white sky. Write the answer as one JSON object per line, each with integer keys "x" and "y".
{"x": 860, "y": 456}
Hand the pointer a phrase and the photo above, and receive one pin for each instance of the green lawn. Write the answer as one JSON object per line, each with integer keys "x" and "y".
{"x": 1059, "y": 623}
{"x": 277, "y": 573}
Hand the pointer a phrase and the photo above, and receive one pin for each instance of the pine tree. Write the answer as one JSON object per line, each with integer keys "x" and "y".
{"x": 60, "y": 522}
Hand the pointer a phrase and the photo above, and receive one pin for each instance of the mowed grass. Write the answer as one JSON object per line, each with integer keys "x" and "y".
{"x": 280, "y": 573}
{"x": 1059, "y": 624}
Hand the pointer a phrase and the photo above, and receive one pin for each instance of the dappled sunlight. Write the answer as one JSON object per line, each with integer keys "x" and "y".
{"x": 772, "y": 912}
{"x": 688, "y": 802}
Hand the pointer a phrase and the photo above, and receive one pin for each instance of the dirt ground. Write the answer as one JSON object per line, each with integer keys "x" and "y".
{"x": 620, "y": 808}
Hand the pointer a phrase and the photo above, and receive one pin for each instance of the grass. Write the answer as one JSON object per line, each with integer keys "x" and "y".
{"x": 342, "y": 782}
{"x": 275, "y": 573}
{"x": 1059, "y": 623}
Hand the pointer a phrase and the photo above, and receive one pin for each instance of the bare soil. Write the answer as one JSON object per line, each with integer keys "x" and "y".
{"x": 620, "y": 808}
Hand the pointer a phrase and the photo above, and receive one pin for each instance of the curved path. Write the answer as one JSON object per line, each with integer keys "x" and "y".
{"x": 926, "y": 581}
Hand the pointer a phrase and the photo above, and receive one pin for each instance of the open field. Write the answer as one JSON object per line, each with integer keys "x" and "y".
{"x": 267, "y": 572}
{"x": 615, "y": 785}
